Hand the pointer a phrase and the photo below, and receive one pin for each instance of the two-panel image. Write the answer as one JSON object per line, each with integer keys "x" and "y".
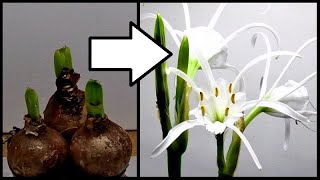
{"x": 159, "y": 89}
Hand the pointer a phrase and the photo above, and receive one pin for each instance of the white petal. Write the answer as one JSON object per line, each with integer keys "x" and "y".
{"x": 184, "y": 77}
{"x": 173, "y": 134}
{"x": 300, "y": 95}
{"x": 290, "y": 62}
{"x": 267, "y": 69}
{"x": 261, "y": 58}
{"x": 205, "y": 43}
{"x": 250, "y": 26}
{"x": 299, "y": 85}
{"x": 205, "y": 67}
{"x": 216, "y": 16}
{"x": 166, "y": 25}
{"x": 234, "y": 69}
{"x": 283, "y": 108}
{"x": 249, "y": 104}
{"x": 308, "y": 113}
{"x": 267, "y": 9}
{"x": 286, "y": 134}
{"x": 194, "y": 111}
{"x": 186, "y": 15}
{"x": 246, "y": 143}
{"x": 179, "y": 33}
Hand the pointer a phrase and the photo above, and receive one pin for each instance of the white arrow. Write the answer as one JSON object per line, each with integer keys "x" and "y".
{"x": 138, "y": 53}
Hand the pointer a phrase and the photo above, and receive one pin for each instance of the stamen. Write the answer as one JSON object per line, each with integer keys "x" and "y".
{"x": 230, "y": 87}
{"x": 233, "y": 98}
{"x": 216, "y": 92}
{"x": 226, "y": 112}
{"x": 201, "y": 96}
{"x": 203, "y": 110}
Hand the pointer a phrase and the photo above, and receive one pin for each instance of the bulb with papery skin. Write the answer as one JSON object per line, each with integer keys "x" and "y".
{"x": 65, "y": 111}
{"x": 100, "y": 147}
{"x": 36, "y": 150}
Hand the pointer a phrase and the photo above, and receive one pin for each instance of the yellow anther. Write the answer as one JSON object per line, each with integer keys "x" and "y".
{"x": 233, "y": 98}
{"x": 226, "y": 112}
{"x": 230, "y": 87}
{"x": 203, "y": 110}
{"x": 216, "y": 92}
{"x": 201, "y": 96}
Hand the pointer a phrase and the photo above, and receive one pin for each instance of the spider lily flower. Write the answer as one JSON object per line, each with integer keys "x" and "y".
{"x": 212, "y": 45}
{"x": 292, "y": 95}
{"x": 218, "y": 108}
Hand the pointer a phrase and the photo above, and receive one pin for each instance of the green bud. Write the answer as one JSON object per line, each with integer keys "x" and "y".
{"x": 32, "y": 103}
{"x": 62, "y": 59}
{"x": 94, "y": 98}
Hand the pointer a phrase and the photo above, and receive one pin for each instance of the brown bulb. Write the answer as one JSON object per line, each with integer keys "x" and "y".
{"x": 101, "y": 148}
{"x": 36, "y": 150}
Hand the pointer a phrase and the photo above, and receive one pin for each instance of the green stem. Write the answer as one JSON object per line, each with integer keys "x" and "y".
{"x": 94, "y": 99}
{"x": 220, "y": 153}
{"x": 174, "y": 163}
{"x": 253, "y": 113}
{"x": 234, "y": 148}
{"x": 32, "y": 103}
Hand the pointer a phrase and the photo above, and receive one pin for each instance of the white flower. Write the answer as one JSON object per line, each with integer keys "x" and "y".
{"x": 211, "y": 44}
{"x": 292, "y": 96}
{"x": 219, "y": 107}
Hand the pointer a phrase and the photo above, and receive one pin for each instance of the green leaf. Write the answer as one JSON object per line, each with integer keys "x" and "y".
{"x": 182, "y": 95}
{"x": 183, "y": 61}
{"x": 94, "y": 99}
{"x": 62, "y": 59}
{"x": 161, "y": 81}
{"x": 32, "y": 103}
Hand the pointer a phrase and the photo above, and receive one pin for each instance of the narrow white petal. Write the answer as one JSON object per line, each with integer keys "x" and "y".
{"x": 186, "y": 15}
{"x": 290, "y": 62}
{"x": 250, "y": 26}
{"x": 261, "y": 58}
{"x": 173, "y": 134}
{"x": 298, "y": 85}
{"x": 184, "y": 77}
{"x": 283, "y": 108}
{"x": 166, "y": 24}
{"x": 179, "y": 33}
{"x": 267, "y": 69}
{"x": 205, "y": 67}
{"x": 286, "y": 134}
{"x": 267, "y": 9}
{"x": 246, "y": 143}
{"x": 249, "y": 104}
{"x": 216, "y": 16}
{"x": 308, "y": 113}
{"x": 242, "y": 87}
{"x": 194, "y": 111}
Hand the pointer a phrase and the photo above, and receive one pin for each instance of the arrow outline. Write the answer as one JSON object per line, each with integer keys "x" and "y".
{"x": 131, "y": 25}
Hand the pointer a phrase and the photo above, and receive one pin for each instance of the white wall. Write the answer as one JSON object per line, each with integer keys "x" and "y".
{"x": 31, "y": 34}
{"x": 295, "y": 23}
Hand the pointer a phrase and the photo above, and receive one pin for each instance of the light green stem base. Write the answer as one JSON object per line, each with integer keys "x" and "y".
{"x": 234, "y": 149}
